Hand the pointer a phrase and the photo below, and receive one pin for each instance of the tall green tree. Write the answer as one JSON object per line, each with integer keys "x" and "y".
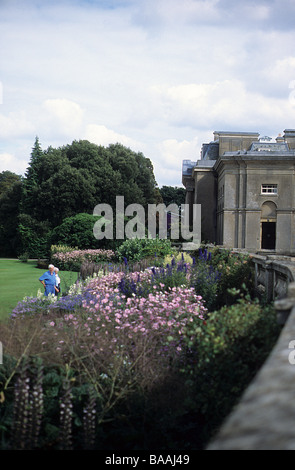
{"x": 10, "y": 207}
{"x": 30, "y": 186}
{"x": 34, "y": 237}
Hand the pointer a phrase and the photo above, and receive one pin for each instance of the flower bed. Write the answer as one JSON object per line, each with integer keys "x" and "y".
{"x": 104, "y": 304}
{"x": 123, "y": 347}
{"x": 72, "y": 260}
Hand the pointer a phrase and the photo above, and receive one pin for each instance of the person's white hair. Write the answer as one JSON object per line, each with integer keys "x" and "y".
{"x": 56, "y": 269}
{"x": 51, "y": 266}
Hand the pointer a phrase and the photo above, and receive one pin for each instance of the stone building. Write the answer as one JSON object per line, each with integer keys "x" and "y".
{"x": 246, "y": 187}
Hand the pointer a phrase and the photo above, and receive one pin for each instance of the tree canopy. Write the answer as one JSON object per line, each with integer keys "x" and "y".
{"x": 7, "y": 180}
{"x": 75, "y": 178}
{"x": 173, "y": 195}
{"x": 62, "y": 182}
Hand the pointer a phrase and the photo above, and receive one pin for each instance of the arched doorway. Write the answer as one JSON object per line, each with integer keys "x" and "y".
{"x": 268, "y": 225}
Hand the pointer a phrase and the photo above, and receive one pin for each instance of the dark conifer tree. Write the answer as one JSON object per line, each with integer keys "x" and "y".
{"x": 31, "y": 183}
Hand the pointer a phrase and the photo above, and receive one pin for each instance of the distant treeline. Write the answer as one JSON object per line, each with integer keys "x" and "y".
{"x": 62, "y": 186}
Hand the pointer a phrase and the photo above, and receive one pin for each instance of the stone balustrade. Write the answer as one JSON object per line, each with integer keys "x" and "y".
{"x": 273, "y": 274}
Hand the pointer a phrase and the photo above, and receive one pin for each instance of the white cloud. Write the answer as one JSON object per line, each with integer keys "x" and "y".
{"x": 170, "y": 153}
{"x": 62, "y": 116}
{"x": 159, "y": 76}
{"x": 173, "y": 152}
{"x": 15, "y": 125}
{"x": 226, "y": 103}
{"x": 101, "y": 135}
{"x": 280, "y": 73}
{"x": 176, "y": 13}
{"x": 11, "y": 163}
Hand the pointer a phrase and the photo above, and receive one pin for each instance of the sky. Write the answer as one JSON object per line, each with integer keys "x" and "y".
{"x": 158, "y": 76}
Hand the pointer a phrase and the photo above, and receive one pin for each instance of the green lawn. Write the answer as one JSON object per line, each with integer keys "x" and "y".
{"x": 18, "y": 280}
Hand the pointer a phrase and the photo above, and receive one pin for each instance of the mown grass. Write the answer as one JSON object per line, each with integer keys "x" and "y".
{"x": 18, "y": 280}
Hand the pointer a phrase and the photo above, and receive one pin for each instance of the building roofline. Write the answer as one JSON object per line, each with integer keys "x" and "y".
{"x": 258, "y": 155}
{"x": 235, "y": 133}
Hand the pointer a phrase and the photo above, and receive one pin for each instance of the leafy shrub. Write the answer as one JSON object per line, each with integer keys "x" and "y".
{"x": 24, "y": 257}
{"x": 221, "y": 272}
{"x": 237, "y": 272}
{"x": 136, "y": 249}
{"x": 228, "y": 351}
{"x": 77, "y": 231}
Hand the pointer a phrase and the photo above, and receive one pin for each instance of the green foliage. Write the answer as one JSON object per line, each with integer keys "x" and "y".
{"x": 34, "y": 236}
{"x": 76, "y": 231}
{"x": 75, "y": 178}
{"x": 64, "y": 194}
{"x": 228, "y": 350}
{"x": 205, "y": 280}
{"x": 69, "y": 181}
{"x": 235, "y": 270}
{"x": 7, "y": 180}
{"x": 136, "y": 249}
{"x": 66, "y": 182}
{"x": 24, "y": 257}
{"x": 43, "y": 399}
{"x": 30, "y": 186}
{"x": 178, "y": 257}
{"x": 10, "y": 206}
{"x": 161, "y": 280}
{"x": 172, "y": 195}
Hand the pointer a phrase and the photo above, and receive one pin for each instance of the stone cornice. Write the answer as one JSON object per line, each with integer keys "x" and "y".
{"x": 245, "y": 158}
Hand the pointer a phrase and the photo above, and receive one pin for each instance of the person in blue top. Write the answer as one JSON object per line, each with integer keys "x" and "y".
{"x": 48, "y": 280}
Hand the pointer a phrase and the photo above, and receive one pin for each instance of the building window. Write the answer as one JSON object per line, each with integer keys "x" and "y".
{"x": 269, "y": 189}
